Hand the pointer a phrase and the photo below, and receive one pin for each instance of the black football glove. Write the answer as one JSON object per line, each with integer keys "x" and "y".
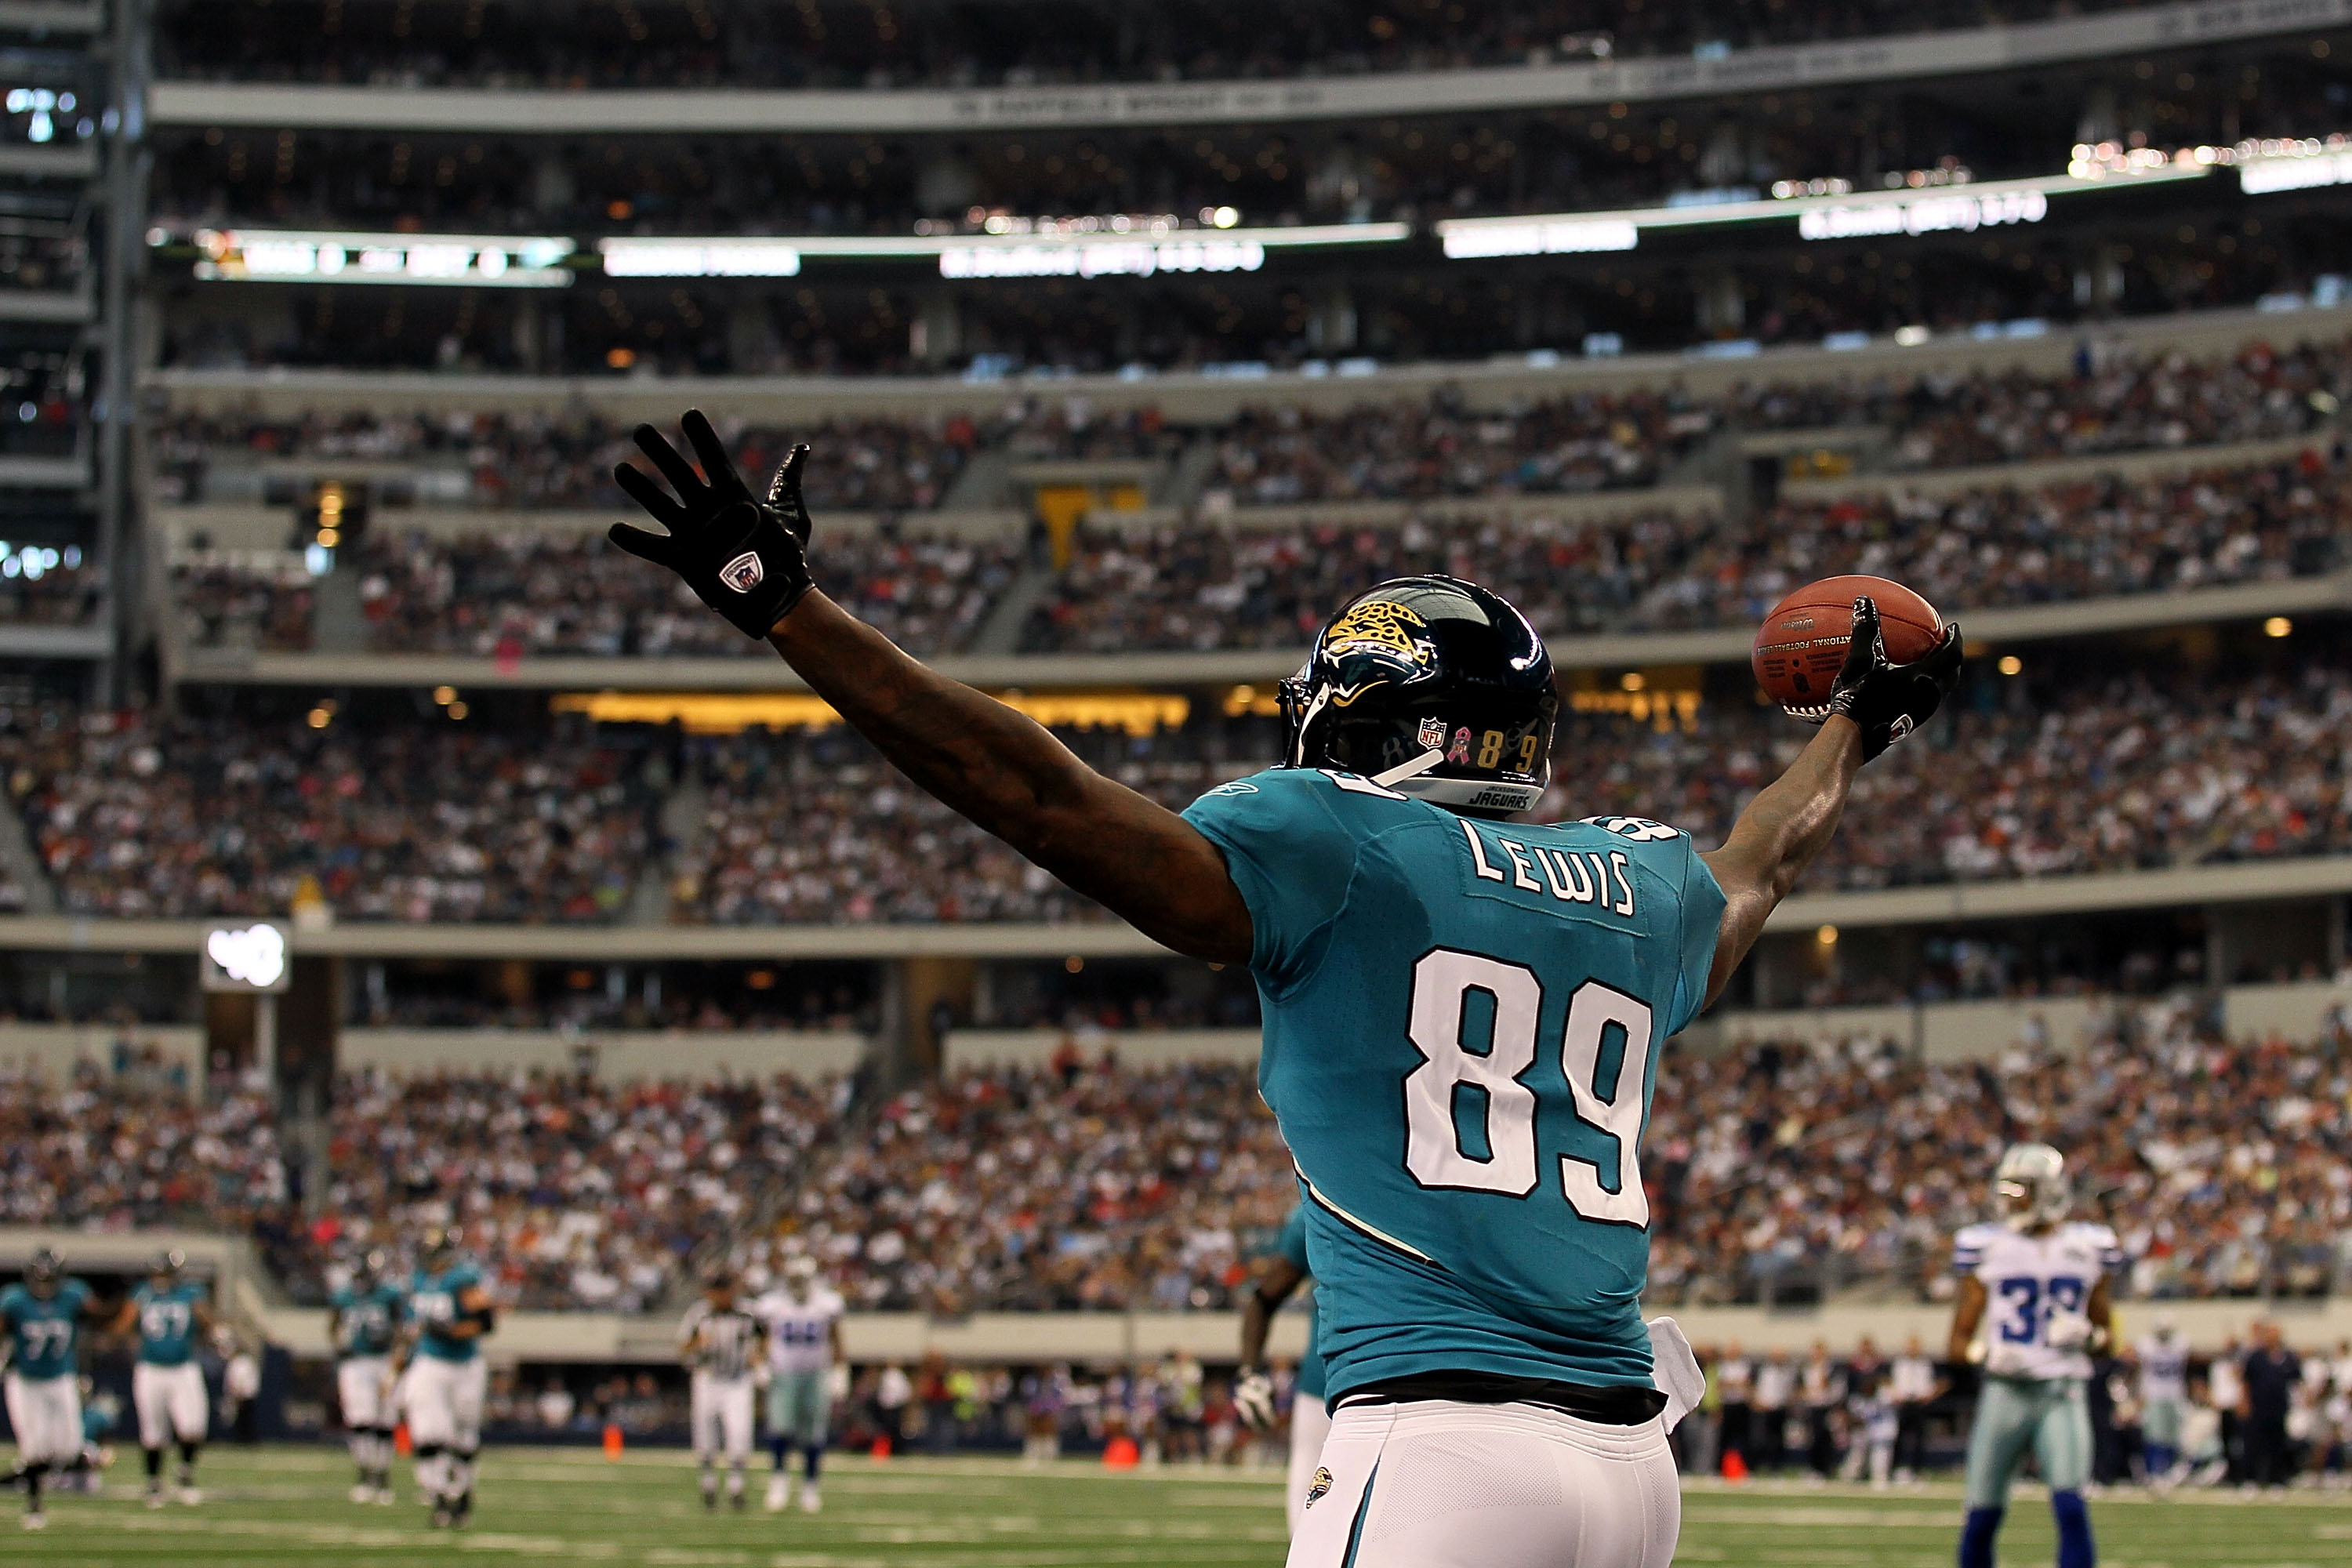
{"x": 1890, "y": 701}
{"x": 746, "y": 559}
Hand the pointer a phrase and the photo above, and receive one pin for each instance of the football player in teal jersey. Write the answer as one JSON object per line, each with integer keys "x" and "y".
{"x": 41, "y": 1319}
{"x": 1462, "y": 1011}
{"x": 167, "y": 1385}
{"x": 363, "y": 1320}
{"x": 1274, "y": 1277}
{"x": 443, "y": 1378}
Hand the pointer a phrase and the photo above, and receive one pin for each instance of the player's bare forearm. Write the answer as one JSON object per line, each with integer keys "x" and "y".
{"x": 1005, "y": 773}
{"x": 1782, "y": 831}
{"x": 1966, "y": 1316}
{"x": 1276, "y": 1278}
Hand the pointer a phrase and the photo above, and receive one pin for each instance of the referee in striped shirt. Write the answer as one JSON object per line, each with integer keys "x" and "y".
{"x": 721, "y": 1342}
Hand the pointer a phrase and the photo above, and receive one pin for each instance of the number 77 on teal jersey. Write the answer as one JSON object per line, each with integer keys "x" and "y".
{"x": 1462, "y": 1021}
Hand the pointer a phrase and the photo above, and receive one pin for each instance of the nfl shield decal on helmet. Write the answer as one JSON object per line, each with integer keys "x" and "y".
{"x": 1317, "y": 1488}
{"x": 1433, "y": 733}
{"x": 743, "y": 573}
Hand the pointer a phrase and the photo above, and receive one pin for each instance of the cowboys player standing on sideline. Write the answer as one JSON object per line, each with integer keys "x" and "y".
{"x": 167, "y": 1385}
{"x": 442, "y": 1376}
{"x": 364, "y": 1322}
{"x": 40, "y": 1326}
{"x": 721, "y": 1342}
{"x": 1463, "y": 1014}
{"x": 2045, "y": 1281}
{"x": 1278, "y": 1273}
{"x": 803, "y": 1322}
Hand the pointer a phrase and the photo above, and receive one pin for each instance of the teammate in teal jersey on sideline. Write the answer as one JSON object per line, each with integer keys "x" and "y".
{"x": 443, "y": 1380}
{"x": 364, "y": 1318}
{"x": 167, "y": 1385}
{"x": 1274, "y": 1276}
{"x": 41, "y": 1319}
{"x": 1461, "y": 1013}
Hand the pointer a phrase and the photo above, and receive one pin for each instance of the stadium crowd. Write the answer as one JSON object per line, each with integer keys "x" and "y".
{"x": 61, "y": 596}
{"x": 1194, "y": 587}
{"x": 511, "y": 594}
{"x": 1776, "y": 1171}
{"x": 533, "y": 461}
{"x": 572, "y": 1193}
{"x": 1203, "y": 585}
{"x": 2111, "y": 400}
{"x": 837, "y": 46}
{"x": 1077, "y": 1185}
{"x": 141, "y": 814}
{"x": 2222, "y": 1164}
{"x": 114, "y": 1151}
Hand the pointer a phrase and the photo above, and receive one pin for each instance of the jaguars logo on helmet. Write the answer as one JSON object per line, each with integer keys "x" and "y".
{"x": 1408, "y": 662}
{"x": 1381, "y": 628}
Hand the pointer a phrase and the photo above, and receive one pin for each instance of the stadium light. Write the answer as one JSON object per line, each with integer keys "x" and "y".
{"x": 247, "y": 958}
{"x": 299, "y": 255}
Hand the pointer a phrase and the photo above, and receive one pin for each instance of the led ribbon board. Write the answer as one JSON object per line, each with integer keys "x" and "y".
{"x": 1934, "y": 209}
{"x": 290, "y": 256}
{"x": 1074, "y": 253}
{"x": 701, "y": 258}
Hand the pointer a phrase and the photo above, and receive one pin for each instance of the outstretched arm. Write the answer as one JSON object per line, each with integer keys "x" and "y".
{"x": 1003, "y": 772}
{"x": 749, "y": 561}
{"x": 1873, "y": 703}
{"x": 1776, "y": 838}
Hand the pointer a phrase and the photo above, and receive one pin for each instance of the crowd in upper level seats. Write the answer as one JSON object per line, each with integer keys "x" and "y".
{"x": 1194, "y": 586}
{"x": 1202, "y": 584}
{"x": 511, "y": 594}
{"x": 841, "y": 45}
{"x": 866, "y": 845}
{"x": 533, "y": 461}
{"x": 54, "y": 596}
{"x": 143, "y": 814}
{"x": 140, "y": 813}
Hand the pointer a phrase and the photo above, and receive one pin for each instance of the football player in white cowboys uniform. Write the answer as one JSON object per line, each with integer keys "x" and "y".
{"x": 2043, "y": 1281}
{"x": 803, "y": 1322}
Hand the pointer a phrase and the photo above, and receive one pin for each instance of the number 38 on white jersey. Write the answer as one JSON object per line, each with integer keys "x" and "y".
{"x": 2030, "y": 1280}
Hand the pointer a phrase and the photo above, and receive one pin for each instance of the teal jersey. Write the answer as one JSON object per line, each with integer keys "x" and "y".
{"x": 1462, "y": 1021}
{"x": 42, "y": 1335}
{"x": 433, "y": 1302}
{"x": 1292, "y": 1244}
{"x": 365, "y": 1320}
{"x": 167, "y": 1322}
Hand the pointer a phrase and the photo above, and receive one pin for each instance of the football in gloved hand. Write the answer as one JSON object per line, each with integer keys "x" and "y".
{"x": 1803, "y": 642}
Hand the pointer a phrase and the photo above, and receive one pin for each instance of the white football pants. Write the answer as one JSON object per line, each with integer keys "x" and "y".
{"x": 1310, "y": 1423}
{"x": 721, "y": 1409}
{"x": 361, "y": 1387}
{"x": 1440, "y": 1484}
{"x": 171, "y": 1403}
{"x": 45, "y": 1413}
{"x": 443, "y": 1400}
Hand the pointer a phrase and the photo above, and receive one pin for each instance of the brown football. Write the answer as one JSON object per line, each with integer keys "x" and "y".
{"x": 1803, "y": 640}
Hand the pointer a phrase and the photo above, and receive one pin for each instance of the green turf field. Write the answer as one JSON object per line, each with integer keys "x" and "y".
{"x": 285, "y": 1506}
